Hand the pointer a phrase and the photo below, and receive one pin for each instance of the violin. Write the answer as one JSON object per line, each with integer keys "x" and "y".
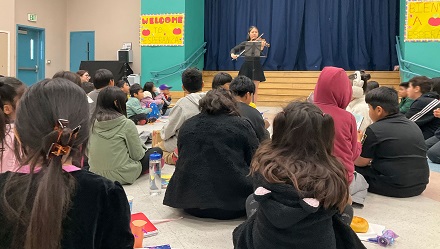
{"x": 262, "y": 40}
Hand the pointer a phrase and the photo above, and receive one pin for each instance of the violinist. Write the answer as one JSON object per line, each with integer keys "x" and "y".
{"x": 252, "y": 66}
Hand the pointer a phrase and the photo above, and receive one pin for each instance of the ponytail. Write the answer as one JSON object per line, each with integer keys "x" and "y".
{"x": 50, "y": 207}
{"x": 36, "y": 204}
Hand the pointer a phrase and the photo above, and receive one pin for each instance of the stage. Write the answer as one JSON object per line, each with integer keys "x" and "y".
{"x": 281, "y": 87}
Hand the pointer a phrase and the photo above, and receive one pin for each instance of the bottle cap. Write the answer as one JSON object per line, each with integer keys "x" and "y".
{"x": 155, "y": 156}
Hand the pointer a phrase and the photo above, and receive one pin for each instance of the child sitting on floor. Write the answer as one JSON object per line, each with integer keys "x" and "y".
{"x": 301, "y": 189}
{"x": 9, "y": 97}
{"x": 154, "y": 96}
{"x": 425, "y": 102}
{"x": 165, "y": 91}
{"x": 113, "y": 132}
{"x": 135, "y": 111}
{"x": 405, "y": 102}
{"x": 49, "y": 203}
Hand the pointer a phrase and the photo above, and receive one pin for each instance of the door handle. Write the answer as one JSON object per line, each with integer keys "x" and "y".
{"x": 35, "y": 69}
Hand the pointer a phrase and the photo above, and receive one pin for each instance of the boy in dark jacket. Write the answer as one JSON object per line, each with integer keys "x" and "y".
{"x": 421, "y": 110}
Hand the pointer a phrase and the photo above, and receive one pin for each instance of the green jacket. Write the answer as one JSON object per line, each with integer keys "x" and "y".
{"x": 405, "y": 104}
{"x": 115, "y": 150}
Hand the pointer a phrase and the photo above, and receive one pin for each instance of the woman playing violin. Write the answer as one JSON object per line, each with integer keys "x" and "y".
{"x": 251, "y": 67}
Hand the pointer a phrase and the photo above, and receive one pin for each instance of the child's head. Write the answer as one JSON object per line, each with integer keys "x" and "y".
{"x": 52, "y": 125}
{"x": 110, "y": 104}
{"x": 243, "y": 87}
{"x": 371, "y": 85}
{"x": 252, "y": 33}
{"x": 9, "y": 99}
{"x": 151, "y": 88}
{"x": 417, "y": 86}
{"x": 382, "y": 101}
{"x": 73, "y": 77}
{"x": 18, "y": 86}
{"x": 218, "y": 101}
{"x": 124, "y": 86}
{"x": 403, "y": 89}
{"x": 192, "y": 81}
{"x": 103, "y": 78}
{"x": 300, "y": 154}
{"x": 136, "y": 91}
{"x": 221, "y": 79}
{"x": 165, "y": 89}
{"x": 435, "y": 82}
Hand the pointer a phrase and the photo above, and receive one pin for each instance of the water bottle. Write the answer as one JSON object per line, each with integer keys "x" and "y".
{"x": 155, "y": 174}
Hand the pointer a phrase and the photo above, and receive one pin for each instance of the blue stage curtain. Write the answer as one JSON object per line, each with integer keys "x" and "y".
{"x": 305, "y": 35}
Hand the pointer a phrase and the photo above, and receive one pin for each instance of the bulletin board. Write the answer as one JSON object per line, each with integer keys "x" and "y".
{"x": 162, "y": 30}
{"x": 422, "y": 21}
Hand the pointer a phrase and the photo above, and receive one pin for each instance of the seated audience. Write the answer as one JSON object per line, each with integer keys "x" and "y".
{"x": 425, "y": 101}
{"x": 395, "y": 147}
{"x": 405, "y": 102}
{"x": 9, "y": 97}
{"x": 371, "y": 85}
{"x": 221, "y": 79}
{"x": 85, "y": 84}
{"x": 49, "y": 203}
{"x": 184, "y": 109}
{"x": 243, "y": 88}
{"x": 357, "y": 104}
{"x": 115, "y": 150}
{"x": 332, "y": 95}
{"x": 165, "y": 91}
{"x": 156, "y": 97}
{"x": 301, "y": 189}
{"x": 103, "y": 78}
{"x": 124, "y": 86}
{"x": 215, "y": 150}
{"x": 432, "y": 143}
{"x": 135, "y": 111}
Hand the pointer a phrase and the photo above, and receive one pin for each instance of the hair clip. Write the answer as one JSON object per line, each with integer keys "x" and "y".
{"x": 56, "y": 149}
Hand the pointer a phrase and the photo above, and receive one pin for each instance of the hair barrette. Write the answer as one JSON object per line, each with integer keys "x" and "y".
{"x": 56, "y": 149}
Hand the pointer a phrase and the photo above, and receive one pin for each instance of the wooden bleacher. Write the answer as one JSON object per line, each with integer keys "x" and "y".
{"x": 281, "y": 87}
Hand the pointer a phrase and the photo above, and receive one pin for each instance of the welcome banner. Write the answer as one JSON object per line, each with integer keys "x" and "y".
{"x": 422, "y": 21}
{"x": 162, "y": 30}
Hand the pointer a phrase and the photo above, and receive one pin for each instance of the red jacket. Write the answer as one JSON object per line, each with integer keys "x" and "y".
{"x": 332, "y": 94}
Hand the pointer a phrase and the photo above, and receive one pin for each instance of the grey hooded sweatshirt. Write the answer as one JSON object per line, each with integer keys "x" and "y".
{"x": 184, "y": 109}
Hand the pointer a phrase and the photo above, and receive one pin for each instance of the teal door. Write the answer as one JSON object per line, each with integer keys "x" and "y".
{"x": 82, "y": 48}
{"x": 30, "y": 54}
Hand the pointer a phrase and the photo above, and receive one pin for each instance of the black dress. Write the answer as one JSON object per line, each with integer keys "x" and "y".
{"x": 251, "y": 66}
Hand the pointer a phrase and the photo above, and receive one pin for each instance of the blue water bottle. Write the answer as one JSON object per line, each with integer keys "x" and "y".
{"x": 155, "y": 174}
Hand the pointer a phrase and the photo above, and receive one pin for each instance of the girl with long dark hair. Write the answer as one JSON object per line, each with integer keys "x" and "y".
{"x": 115, "y": 150}
{"x": 50, "y": 203}
{"x": 300, "y": 187}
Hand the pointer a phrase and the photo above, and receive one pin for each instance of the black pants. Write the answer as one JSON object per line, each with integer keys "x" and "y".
{"x": 145, "y": 161}
{"x": 215, "y": 213}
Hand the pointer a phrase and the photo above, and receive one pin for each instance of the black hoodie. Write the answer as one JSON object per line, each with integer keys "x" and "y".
{"x": 285, "y": 220}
